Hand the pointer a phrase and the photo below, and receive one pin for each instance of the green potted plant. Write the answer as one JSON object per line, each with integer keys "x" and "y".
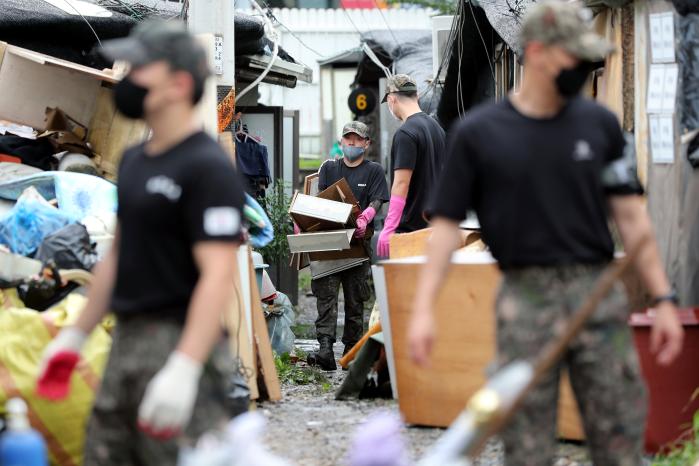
{"x": 276, "y": 204}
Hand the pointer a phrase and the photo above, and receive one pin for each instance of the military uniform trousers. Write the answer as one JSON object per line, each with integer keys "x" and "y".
{"x": 356, "y": 291}
{"x": 140, "y": 348}
{"x": 533, "y": 306}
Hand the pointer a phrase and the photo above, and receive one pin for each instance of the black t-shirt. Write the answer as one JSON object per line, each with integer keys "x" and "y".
{"x": 536, "y": 184}
{"x": 366, "y": 180}
{"x": 167, "y": 203}
{"x": 418, "y": 145}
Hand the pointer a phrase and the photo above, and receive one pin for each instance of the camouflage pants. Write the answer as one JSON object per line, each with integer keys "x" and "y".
{"x": 533, "y": 306}
{"x": 140, "y": 348}
{"x": 356, "y": 291}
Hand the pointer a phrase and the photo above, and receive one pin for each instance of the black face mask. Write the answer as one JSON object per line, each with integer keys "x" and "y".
{"x": 570, "y": 81}
{"x": 129, "y": 97}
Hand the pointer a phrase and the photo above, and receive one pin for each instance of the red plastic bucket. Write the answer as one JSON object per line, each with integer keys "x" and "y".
{"x": 670, "y": 388}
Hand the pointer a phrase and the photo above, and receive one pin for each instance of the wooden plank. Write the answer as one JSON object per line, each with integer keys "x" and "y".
{"x": 610, "y": 91}
{"x": 48, "y": 60}
{"x": 415, "y": 243}
{"x": 628, "y": 52}
{"x": 570, "y": 424}
{"x": 226, "y": 141}
{"x": 239, "y": 339}
{"x": 110, "y": 133}
{"x": 310, "y": 184}
{"x": 641, "y": 60}
{"x": 434, "y": 396}
{"x": 3, "y": 48}
{"x": 262, "y": 342}
{"x": 409, "y": 244}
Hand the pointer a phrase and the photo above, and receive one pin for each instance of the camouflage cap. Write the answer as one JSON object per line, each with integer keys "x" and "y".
{"x": 400, "y": 83}
{"x": 356, "y": 127}
{"x": 556, "y": 22}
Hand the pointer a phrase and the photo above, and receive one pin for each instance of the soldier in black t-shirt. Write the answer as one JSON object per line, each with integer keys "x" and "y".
{"x": 417, "y": 156}
{"x": 543, "y": 169}
{"x": 368, "y": 184}
{"x": 170, "y": 272}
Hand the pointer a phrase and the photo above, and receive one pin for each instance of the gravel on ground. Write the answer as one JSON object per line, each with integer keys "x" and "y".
{"x": 310, "y": 428}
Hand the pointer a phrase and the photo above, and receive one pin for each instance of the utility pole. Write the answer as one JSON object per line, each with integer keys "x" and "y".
{"x": 216, "y": 17}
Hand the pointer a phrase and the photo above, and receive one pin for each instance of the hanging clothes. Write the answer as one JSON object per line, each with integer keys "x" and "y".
{"x": 252, "y": 160}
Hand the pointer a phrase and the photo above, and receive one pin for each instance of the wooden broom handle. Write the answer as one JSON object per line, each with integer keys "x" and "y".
{"x": 351, "y": 354}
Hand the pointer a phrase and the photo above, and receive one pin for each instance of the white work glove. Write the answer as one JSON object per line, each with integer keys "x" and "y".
{"x": 58, "y": 363}
{"x": 167, "y": 405}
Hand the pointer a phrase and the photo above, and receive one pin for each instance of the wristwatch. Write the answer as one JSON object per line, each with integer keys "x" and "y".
{"x": 671, "y": 297}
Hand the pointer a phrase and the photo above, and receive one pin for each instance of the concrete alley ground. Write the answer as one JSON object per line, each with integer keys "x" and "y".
{"x": 311, "y": 428}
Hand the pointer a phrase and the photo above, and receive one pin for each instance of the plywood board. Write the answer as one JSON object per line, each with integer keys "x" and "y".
{"x": 3, "y": 47}
{"x": 464, "y": 348}
{"x": 382, "y": 301}
{"x": 340, "y": 191}
{"x": 569, "y": 421}
{"x": 409, "y": 244}
{"x": 337, "y": 240}
{"x": 48, "y": 60}
{"x": 239, "y": 340}
{"x": 262, "y": 342}
{"x": 610, "y": 91}
{"x": 354, "y": 252}
{"x": 415, "y": 243}
{"x": 310, "y": 184}
{"x": 29, "y": 87}
{"x": 110, "y": 133}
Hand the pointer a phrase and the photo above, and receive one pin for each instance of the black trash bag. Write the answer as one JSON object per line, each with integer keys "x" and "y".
{"x": 693, "y": 152}
{"x": 688, "y": 58}
{"x": 69, "y": 248}
{"x": 46, "y": 290}
{"x": 684, "y": 7}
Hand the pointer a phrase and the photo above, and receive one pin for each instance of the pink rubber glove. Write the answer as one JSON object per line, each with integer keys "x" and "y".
{"x": 363, "y": 220}
{"x": 297, "y": 230}
{"x": 395, "y": 212}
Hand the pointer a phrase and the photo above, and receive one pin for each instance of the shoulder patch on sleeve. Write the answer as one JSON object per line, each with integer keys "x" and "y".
{"x": 221, "y": 221}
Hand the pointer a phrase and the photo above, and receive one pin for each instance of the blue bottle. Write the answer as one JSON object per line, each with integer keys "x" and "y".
{"x": 21, "y": 445}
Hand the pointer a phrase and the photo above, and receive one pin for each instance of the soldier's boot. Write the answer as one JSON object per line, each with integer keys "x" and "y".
{"x": 348, "y": 347}
{"x": 324, "y": 357}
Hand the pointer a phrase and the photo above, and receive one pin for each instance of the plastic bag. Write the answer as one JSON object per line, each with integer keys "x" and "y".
{"x": 259, "y": 236}
{"x": 69, "y": 248}
{"x": 81, "y": 195}
{"x": 30, "y": 221}
{"x": 25, "y": 334}
{"x": 280, "y": 317}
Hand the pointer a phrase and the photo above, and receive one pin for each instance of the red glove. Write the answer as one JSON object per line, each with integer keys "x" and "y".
{"x": 58, "y": 363}
{"x": 363, "y": 220}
